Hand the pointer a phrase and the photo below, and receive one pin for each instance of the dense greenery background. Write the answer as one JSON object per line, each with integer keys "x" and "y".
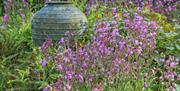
{"x": 20, "y": 67}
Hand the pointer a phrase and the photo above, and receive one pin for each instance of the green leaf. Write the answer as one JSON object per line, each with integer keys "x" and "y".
{"x": 11, "y": 56}
{"x": 177, "y": 87}
{"x": 43, "y": 84}
{"x": 15, "y": 81}
{"x": 54, "y": 76}
{"x": 177, "y": 46}
{"x": 170, "y": 48}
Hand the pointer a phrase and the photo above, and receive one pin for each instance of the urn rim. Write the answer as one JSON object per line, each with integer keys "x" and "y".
{"x": 58, "y": 2}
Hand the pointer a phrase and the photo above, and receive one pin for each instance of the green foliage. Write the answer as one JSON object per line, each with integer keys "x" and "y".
{"x": 177, "y": 87}
{"x": 19, "y": 57}
{"x": 169, "y": 43}
{"x": 17, "y": 72}
{"x": 1, "y": 11}
{"x": 12, "y": 41}
{"x": 16, "y": 58}
{"x": 36, "y": 4}
{"x": 1, "y": 7}
{"x": 80, "y": 4}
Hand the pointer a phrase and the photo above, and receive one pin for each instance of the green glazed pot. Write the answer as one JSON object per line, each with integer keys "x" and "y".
{"x": 56, "y": 18}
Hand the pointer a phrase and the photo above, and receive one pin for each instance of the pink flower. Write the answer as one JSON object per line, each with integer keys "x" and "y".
{"x": 59, "y": 68}
{"x": 114, "y": 22}
{"x": 22, "y": 15}
{"x": 67, "y": 86}
{"x": 47, "y": 88}
{"x": 5, "y": 18}
{"x": 43, "y": 63}
{"x": 173, "y": 64}
{"x": 139, "y": 50}
{"x": 114, "y": 9}
{"x": 126, "y": 14}
{"x": 96, "y": 89}
{"x": 136, "y": 42}
{"x": 115, "y": 33}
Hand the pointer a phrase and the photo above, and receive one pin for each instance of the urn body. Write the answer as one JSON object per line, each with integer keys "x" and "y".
{"x": 55, "y": 19}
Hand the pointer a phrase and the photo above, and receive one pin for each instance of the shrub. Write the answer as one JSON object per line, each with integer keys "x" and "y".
{"x": 108, "y": 57}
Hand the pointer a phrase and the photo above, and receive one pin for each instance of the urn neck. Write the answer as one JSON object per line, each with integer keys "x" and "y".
{"x": 59, "y": 2}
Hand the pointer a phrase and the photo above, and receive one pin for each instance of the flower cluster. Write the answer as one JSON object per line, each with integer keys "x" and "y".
{"x": 163, "y": 6}
{"x": 8, "y": 9}
{"x": 106, "y": 55}
{"x": 160, "y": 6}
{"x": 143, "y": 33}
{"x": 166, "y": 71}
{"x": 170, "y": 64}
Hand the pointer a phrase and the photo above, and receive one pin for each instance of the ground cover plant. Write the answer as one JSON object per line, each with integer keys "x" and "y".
{"x": 130, "y": 45}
